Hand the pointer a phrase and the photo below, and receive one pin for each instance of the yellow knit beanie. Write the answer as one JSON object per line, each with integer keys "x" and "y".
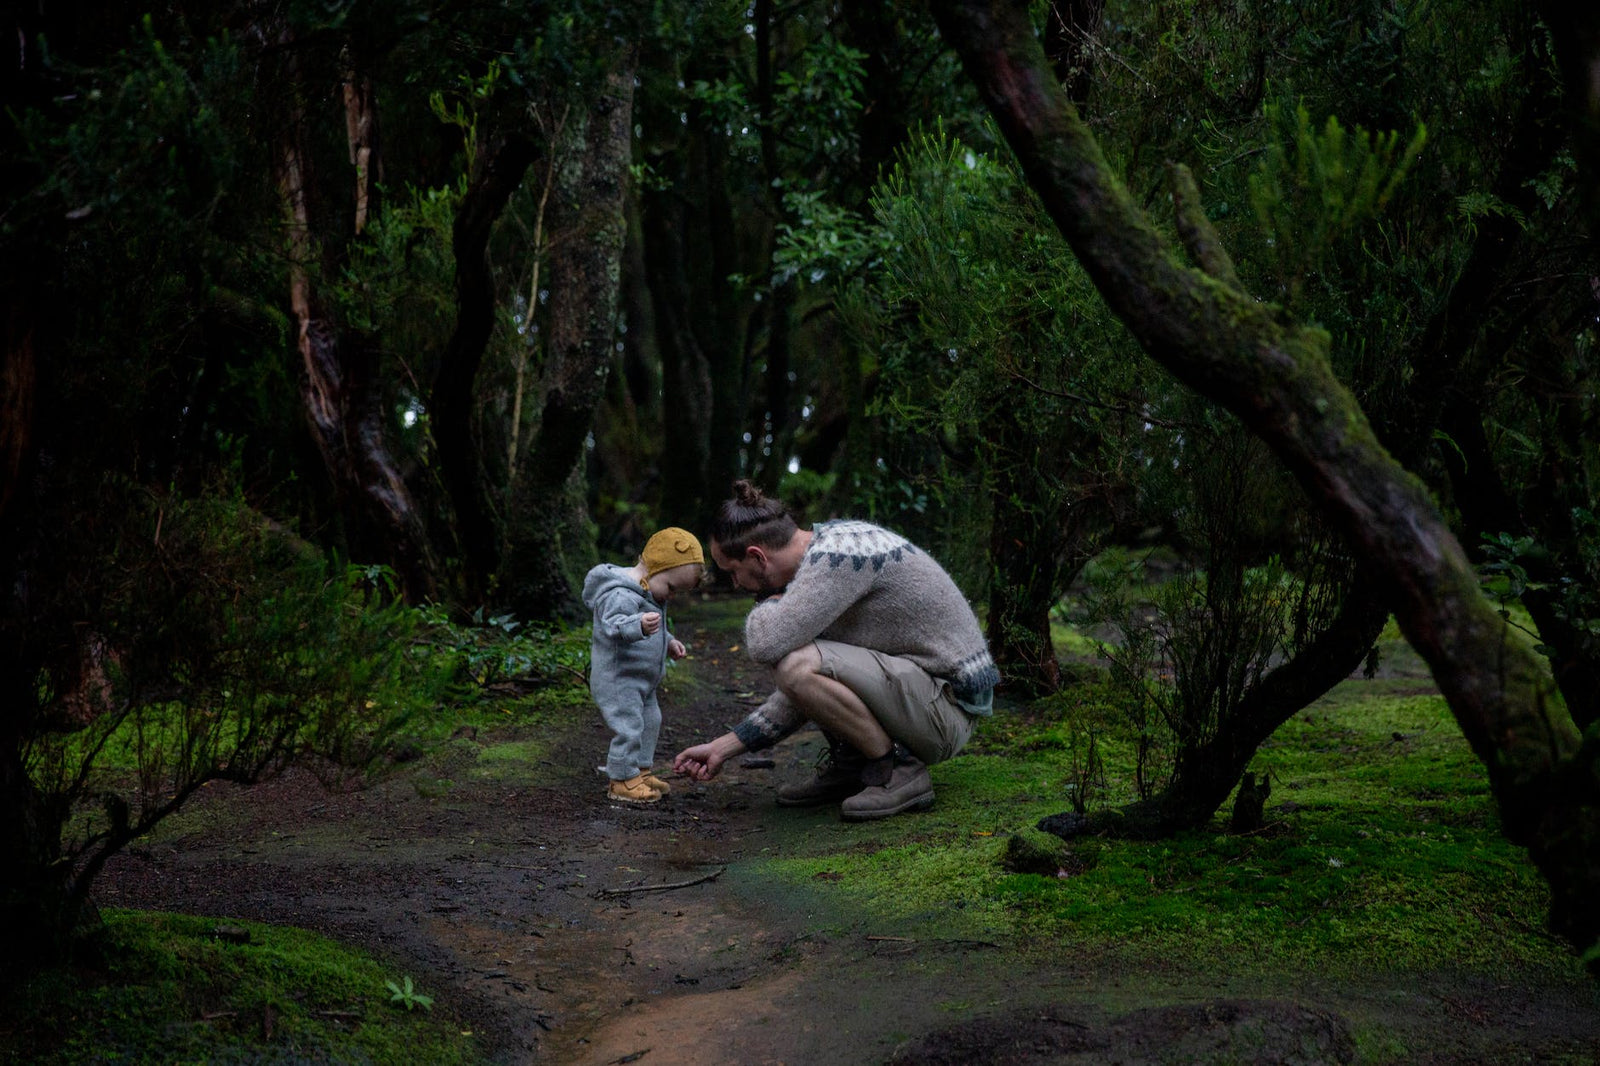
{"x": 670, "y": 547}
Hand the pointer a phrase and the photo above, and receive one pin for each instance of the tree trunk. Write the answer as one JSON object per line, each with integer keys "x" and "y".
{"x": 724, "y": 339}
{"x": 451, "y": 404}
{"x": 361, "y": 131}
{"x": 1206, "y": 773}
{"x": 1275, "y": 375}
{"x": 685, "y": 372}
{"x": 340, "y": 388}
{"x": 552, "y": 541}
{"x": 1026, "y": 541}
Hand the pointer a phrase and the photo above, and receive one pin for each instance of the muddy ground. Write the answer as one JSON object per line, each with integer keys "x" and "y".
{"x": 501, "y": 891}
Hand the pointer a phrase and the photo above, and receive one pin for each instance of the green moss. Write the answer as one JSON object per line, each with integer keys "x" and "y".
{"x": 167, "y": 988}
{"x": 510, "y": 760}
{"x": 1382, "y": 851}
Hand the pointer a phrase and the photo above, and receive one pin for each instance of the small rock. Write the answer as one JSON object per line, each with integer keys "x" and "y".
{"x": 232, "y": 934}
{"x": 1031, "y": 851}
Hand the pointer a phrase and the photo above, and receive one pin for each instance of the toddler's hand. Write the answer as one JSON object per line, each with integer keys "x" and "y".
{"x": 676, "y": 649}
{"x": 650, "y": 623}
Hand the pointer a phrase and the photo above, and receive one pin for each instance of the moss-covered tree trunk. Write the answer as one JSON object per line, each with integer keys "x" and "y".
{"x": 1274, "y": 374}
{"x": 551, "y": 542}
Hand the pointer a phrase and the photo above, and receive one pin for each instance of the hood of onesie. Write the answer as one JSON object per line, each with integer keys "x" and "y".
{"x": 607, "y": 576}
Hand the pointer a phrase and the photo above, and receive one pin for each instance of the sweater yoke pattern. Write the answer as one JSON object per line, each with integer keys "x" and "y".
{"x": 858, "y": 543}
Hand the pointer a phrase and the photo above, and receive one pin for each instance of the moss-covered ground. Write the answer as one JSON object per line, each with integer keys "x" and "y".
{"x": 172, "y": 988}
{"x": 1381, "y": 850}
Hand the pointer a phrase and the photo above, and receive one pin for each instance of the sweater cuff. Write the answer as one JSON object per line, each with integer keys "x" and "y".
{"x": 769, "y": 723}
{"x": 752, "y": 736}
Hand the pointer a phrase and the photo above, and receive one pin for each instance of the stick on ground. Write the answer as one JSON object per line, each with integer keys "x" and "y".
{"x": 608, "y": 892}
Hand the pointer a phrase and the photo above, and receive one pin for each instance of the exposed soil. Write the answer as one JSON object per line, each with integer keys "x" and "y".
{"x": 487, "y": 889}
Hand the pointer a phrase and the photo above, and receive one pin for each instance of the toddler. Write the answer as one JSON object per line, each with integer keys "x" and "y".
{"x": 629, "y": 650}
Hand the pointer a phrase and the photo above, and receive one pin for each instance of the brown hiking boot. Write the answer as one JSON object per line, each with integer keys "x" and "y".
{"x": 653, "y": 782}
{"x": 909, "y": 788}
{"x": 633, "y": 791}
{"x": 838, "y": 776}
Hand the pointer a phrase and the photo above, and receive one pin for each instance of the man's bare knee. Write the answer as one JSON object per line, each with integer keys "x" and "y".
{"x": 798, "y": 667}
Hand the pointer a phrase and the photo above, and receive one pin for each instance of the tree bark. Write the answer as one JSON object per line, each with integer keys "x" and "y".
{"x": 361, "y": 131}
{"x": 450, "y": 405}
{"x": 340, "y": 389}
{"x": 585, "y": 264}
{"x": 1275, "y": 375}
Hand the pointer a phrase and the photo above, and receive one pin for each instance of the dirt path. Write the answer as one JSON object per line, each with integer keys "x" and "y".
{"x": 496, "y": 884}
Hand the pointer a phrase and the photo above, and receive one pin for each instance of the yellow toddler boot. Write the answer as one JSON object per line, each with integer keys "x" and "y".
{"x": 633, "y": 790}
{"x": 652, "y": 781}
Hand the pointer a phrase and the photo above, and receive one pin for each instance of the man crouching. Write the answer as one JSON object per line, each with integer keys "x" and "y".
{"x": 870, "y": 639}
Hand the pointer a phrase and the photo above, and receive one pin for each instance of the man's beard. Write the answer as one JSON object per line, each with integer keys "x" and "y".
{"x": 766, "y": 591}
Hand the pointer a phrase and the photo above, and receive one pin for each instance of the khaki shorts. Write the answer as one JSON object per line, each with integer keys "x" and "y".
{"x": 914, "y": 707}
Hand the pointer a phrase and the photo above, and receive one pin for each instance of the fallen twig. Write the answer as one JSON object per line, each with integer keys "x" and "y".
{"x": 609, "y": 892}
{"x": 938, "y": 940}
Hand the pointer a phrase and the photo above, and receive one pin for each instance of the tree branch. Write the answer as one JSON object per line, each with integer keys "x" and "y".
{"x": 1199, "y": 236}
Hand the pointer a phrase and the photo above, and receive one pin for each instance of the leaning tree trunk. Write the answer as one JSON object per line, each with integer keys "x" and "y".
{"x": 1206, "y": 772}
{"x": 551, "y": 539}
{"x": 1275, "y": 375}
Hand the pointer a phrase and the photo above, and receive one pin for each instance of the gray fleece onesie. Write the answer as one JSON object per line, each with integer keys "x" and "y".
{"x": 625, "y": 666}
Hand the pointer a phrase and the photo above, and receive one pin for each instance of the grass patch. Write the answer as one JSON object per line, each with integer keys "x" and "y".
{"x": 166, "y": 988}
{"x": 1382, "y": 851}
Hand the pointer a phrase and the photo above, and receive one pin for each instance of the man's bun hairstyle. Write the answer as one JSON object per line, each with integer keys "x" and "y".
{"x": 751, "y": 518}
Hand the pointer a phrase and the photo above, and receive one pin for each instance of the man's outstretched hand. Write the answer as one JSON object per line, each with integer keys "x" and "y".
{"x": 704, "y": 761}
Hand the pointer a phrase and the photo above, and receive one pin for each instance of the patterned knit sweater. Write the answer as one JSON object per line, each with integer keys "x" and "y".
{"x": 864, "y": 585}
